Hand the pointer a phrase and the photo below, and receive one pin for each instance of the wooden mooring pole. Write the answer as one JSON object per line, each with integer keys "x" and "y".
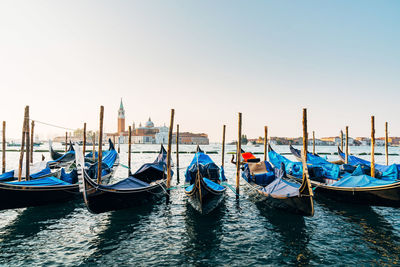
{"x": 32, "y": 140}
{"x": 66, "y": 141}
{"x": 341, "y": 140}
{"x": 28, "y": 146}
{"x": 100, "y": 149}
{"x": 84, "y": 139}
{"x": 177, "y": 153}
{"x": 347, "y": 146}
{"x": 386, "y": 143}
{"x": 129, "y": 148}
{"x": 238, "y": 153}
{"x": 119, "y": 144}
{"x": 265, "y": 142}
{"x": 171, "y": 127}
{"x": 94, "y": 146}
{"x": 21, "y": 154}
{"x": 305, "y": 135}
{"x": 313, "y": 142}
{"x": 4, "y": 148}
{"x": 372, "y": 146}
{"x": 305, "y": 188}
{"x": 223, "y": 147}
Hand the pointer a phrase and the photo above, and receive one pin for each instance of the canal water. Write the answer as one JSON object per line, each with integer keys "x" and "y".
{"x": 239, "y": 233}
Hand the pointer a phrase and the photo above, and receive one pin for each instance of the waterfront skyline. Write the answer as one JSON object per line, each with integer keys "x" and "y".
{"x": 209, "y": 60}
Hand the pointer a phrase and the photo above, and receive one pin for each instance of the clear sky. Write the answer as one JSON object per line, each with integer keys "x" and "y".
{"x": 207, "y": 59}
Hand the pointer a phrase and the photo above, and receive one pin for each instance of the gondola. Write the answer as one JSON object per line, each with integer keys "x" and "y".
{"x": 37, "y": 192}
{"x": 356, "y": 187}
{"x": 266, "y": 184}
{"x": 203, "y": 183}
{"x": 48, "y": 190}
{"x": 148, "y": 182}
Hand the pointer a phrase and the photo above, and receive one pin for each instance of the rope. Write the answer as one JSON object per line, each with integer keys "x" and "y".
{"x": 122, "y": 165}
{"x": 172, "y": 188}
{"x": 52, "y": 125}
{"x": 231, "y": 188}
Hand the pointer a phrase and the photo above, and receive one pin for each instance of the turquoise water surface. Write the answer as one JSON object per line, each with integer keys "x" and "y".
{"x": 239, "y": 233}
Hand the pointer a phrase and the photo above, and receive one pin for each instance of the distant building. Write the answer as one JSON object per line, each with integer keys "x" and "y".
{"x": 394, "y": 141}
{"x": 363, "y": 141}
{"x": 149, "y": 134}
{"x": 121, "y": 119}
{"x": 191, "y": 138}
{"x": 380, "y": 141}
{"x": 335, "y": 140}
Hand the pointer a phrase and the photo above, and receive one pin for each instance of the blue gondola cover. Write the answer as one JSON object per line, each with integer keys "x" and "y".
{"x": 207, "y": 168}
{"x": 47, "y": 181}
{"x": 389, "y": 172}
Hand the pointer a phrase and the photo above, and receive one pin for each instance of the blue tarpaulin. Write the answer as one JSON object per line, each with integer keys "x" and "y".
{"x": 212, "y": 185}
{"x": 71, "y": 177}
{"x": 293, "y": 168}
{"x": 45, "y": 171}
{"x": 47, "y": 181}
{"x": 361, "y": 181}
{"x": 128, "y": 183}
{"x": 10, "y": 174}
{"x": 328, "y": 170}
{"x": 207, "y": 168}
{"x": 7, "y": 176}
{"x": 389, "y": 172}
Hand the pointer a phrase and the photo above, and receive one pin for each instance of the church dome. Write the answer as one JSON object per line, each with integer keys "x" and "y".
{"x": 149, "y": 124}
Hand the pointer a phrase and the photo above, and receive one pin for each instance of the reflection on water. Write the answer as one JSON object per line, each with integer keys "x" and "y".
{"x": 119, "y": 227}
{"x": 203, "y": 234}
{"x": 292, "y": 233}
{"x": 376, "y": 231}
{"x": 33, "y": 220}
{"x": 27, "y": 224}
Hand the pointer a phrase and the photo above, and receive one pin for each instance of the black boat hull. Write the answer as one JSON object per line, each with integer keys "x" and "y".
{"x": 204, "y": 199}
{"x": 302, "y": 205}
{"x": 388, "y": 196}
{"x": 99, "y": 200}
{"x": 12, "y": 197}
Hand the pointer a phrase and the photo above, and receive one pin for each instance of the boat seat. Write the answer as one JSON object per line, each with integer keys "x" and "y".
{"x": 257, "y": 168}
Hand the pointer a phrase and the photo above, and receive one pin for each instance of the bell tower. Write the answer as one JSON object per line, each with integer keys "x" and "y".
{"x": 121, "y": 118}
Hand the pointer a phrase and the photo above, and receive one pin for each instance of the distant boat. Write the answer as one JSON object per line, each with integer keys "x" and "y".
{"x": 16, "y": 144}
{"x": 81, "y": 143}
